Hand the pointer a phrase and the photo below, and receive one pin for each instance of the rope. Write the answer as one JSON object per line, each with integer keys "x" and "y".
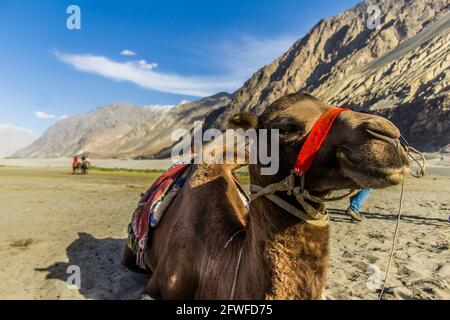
{"x": 312, "y": 216}
{"x": 233, "y": 288}
{"x": 394, "y": 239}
{"x": 409, "y": 150}
{"x": 421, "y": 173}
{"x": 308, "y": 196}
{"x": 232, "y": 237}
{"x": 421, "y": 165}
{"x": 308, "y": 213}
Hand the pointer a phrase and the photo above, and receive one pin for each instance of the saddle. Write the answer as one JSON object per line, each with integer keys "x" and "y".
{"x": 152, "y": 205}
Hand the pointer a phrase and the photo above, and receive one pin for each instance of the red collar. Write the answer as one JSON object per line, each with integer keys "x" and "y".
{"x": 315, "y": 139}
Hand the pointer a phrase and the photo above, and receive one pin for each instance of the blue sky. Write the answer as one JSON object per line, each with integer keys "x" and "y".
{"x": 183, "y": 50}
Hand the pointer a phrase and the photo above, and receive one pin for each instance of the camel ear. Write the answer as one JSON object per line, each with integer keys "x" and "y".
{"x": 243, "y": 120}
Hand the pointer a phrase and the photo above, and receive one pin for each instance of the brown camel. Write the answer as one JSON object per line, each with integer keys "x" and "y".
{"x": 282, "y": 257}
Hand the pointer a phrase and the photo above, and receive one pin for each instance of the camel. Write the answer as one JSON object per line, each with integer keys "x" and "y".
{"x": 210, "y": 246}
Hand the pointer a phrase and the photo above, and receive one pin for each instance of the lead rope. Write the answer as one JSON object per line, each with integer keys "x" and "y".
{"x": 421, "y": 173}
{"x": 233, "y": 287}
{"x": 394, "y": 240}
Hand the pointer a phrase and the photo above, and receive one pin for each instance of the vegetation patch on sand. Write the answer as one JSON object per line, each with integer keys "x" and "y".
{"x": 127, "y": 172}
{"x": 23, "y": 243}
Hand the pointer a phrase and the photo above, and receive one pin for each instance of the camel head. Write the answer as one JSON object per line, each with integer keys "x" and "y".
{"x": 360, "y": 150}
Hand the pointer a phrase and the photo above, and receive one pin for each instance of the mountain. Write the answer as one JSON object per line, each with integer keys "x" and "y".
{"x": 89, "y": 131}
{"x": 13, "y": 138}
{"x": 399, "y": 70}
{"x": 152, "y": 139}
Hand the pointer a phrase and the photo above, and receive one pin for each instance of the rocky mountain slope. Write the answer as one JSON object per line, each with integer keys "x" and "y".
{"x": 152, "y": 139}
{"x": 399, "y": 69}
{"x": 89, "y": 131}
{"x": 13, "y": 138}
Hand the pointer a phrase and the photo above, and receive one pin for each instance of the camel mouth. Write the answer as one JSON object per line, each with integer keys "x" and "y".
{"x": 368, "y": 175}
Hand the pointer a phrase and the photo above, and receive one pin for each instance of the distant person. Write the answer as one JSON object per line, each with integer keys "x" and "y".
{"x": 75, "y": 163}
{"x": 355, "y": 204}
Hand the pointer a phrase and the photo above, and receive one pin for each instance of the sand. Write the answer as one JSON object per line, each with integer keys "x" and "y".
{"x": 100, "y": 163}
{"x": 437, "y": 165}
{"x": 52, "y": 219}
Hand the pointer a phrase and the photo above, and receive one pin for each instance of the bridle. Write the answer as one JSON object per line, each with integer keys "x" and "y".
{"x": 305, "y": 158}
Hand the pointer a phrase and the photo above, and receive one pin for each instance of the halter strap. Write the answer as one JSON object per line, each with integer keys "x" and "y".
{"x": 315, "y": 139}
{"x": 303, "y": 162}
{"x": 318, "y": 219}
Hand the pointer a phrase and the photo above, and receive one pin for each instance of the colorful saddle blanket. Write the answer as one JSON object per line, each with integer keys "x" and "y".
{"x": 151, "y": 208}
{"x": 153, "y": 204}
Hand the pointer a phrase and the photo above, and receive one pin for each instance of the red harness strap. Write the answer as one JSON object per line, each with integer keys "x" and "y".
{"x": 315, "y": 139}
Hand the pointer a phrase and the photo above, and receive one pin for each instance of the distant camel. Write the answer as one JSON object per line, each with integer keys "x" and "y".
{"x": 277, "y": 255}
{"x": 85, "y": 164}
{"x": 85, "y": 167}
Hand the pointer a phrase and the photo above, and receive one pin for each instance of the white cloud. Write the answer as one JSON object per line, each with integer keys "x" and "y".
{"x": 245, "y": 55}
{"x": 9, "y": 126}
{"x": 128, "y": 71}
{"x": 64, "y": 116}
{"x": 235, "y": 62}
{"x": 128, "y": 53}
{"x": 147, "y": 66}
{"x": 44, "y": 115}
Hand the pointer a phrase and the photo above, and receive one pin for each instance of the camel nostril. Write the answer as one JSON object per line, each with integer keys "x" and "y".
{"x": 393, "y": 141}
{"x": 382, "y": 127}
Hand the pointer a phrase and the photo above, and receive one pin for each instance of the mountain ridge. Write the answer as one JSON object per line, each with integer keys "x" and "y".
{"x": 14, "y": 138}
{"x": 88, "y": 131}
{"x": 399, "y": 70}
{"x": 332, "y": 52}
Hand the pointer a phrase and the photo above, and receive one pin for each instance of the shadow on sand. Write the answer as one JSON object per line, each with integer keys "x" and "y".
{"x": 102, "y": 275}
{"x": 338, "y": 215}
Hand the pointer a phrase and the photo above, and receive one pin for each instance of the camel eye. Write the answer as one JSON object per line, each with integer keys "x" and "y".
{"x": 288, "y": 125}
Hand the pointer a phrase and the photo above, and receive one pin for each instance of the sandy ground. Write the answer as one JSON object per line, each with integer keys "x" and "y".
{"x": 51, "y": 219}
{"x": 100, "y": 163}
{"x": 437, "y": 165}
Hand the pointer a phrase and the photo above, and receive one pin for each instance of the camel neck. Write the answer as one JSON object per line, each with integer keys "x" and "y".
{"x": 295, "y": 252}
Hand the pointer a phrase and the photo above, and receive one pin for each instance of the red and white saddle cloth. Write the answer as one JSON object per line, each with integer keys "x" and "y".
{"x": 152, "y": 205}
{"x": 151, "y": 208}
